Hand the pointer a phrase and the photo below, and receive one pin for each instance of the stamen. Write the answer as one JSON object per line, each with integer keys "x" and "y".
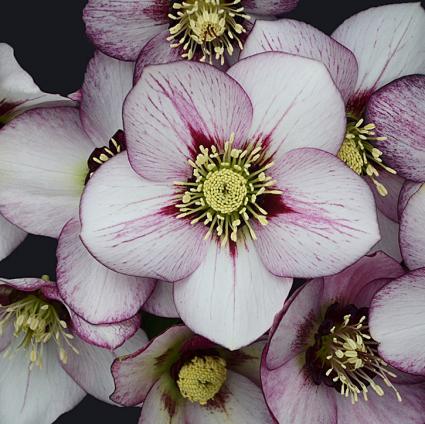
{"x": 224, "y": 193}
{"x": 360, "y": 154}
{"x": 209, "y": 26}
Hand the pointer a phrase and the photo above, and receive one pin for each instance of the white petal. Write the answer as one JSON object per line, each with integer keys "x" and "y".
{"x": 10, "y": 237}
{"x": 161, "y": 301}
{"x": 389, "y": 237}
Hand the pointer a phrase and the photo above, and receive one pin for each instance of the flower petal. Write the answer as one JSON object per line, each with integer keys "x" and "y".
{"x": 301, "y": 39}
{"x": 27, "y": 284}
{"x": 177, "y": 107}
{"x": 10, "y": 237}
{"x": 120, "y": 29}
{"x": 91, "y": 368}
{"x": 130, "y": 225}
{"x": 295, "y": 323}
{"x": 398, "y": 111}
{"x": 43, "y": 165}
{"x": 292, "y": 396}
{"x": 231, "y": 298}
{"x": 412, "y": 230}
{"x": 93, "y": 291}
{"x": 389, "y": 238}
{"x": 161, "y": 301}
{"x": 408, "y": 189}
{"x": 346, "y": 287}
{"x": 134, "y": 375}
{"x": 269, "y": 7}
{"x": 18, "y": 92}
{"x": 37, "y": 396}
{"x": 324, "y": 220}
{"x": 285, "y": 101}
{"x": 106, "y": 85}
{"x": 240, "y": 401}
{"x": 156, "y": 52}
{"x": 397, "y": 322}
{"x": 387, "y": 42}
{"x": 108, "y": 336}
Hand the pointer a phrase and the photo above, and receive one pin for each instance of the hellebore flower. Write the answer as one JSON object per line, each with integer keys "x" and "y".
{"x": 183, "y": 378}
{"x": 18, "y": 93}
{"x": 322, "y": 365}
{"x": 397, "y": 322}
{"x": 43, "y": 344}
{"x": 46, "y": 157}
{"x": 225, "y": 197}
{"x": 387, "y": 43}
{"x": 204, "y": 29}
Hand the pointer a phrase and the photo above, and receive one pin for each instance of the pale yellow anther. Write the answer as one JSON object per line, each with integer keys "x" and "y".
{"x": 202, "y": 378}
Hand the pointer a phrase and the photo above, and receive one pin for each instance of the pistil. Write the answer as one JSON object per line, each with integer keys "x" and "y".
{"x": 210, "y": 26}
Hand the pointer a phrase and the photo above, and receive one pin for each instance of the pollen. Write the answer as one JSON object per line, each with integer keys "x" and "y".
{"x": 225, "y": 190}
{"x": 202, "y": 378}
{"x": 209, "y": 26}
{"x": 36, "y": 322}
{"x": 359, "y": 153}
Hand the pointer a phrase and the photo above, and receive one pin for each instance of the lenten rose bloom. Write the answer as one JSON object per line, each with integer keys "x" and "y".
{"x": 184, "y": 378}
{"x": 321, "y": 364}
{"x": 228, "y": 194}
{"x": 50, "y": 357}
{"x": 397, "y": 322}
{"x": 46, "y": 157}
{"x": 18, "y": 93}
{"x": 202, "y": 29}
{"x": 366, "y": 52}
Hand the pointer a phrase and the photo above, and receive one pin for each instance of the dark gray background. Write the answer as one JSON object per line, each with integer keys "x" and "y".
{"x": 49, "y": 42}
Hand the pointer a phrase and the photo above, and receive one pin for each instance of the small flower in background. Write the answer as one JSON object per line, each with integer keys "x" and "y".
{"x": 46, "y": 157}
{"x": 43, "y": 344}
{"x": 182, "y": 377}
{"x": 322, "y": 364}
{"x": 18, "y": 93}
{"x": 218, "y": 201}
{"x": 397, "y": 322}
{"x": 203, "y": 29}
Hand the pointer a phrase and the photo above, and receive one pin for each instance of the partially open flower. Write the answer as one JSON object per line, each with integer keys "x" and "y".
{"x": 221, "y": 197}
{"x": 47, "y": 156}
{"x": 203, "y": 29}
{"x": 42, "y": 341}
{"x": 18, "y": 93}
{"x": 181, "y": 377}
{"x": 322, "y": 363}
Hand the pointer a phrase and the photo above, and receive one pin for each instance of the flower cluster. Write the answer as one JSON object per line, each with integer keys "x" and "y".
{"x": 212, "y": 158}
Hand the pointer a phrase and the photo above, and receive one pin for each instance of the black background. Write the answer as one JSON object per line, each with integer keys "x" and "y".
{"x": 49, "y": 42}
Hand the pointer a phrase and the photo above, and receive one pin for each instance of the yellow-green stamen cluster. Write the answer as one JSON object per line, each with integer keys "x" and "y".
{"x": 212, "y": 26}
{"x": 360, "y": 154}
{"x": 202, "y": 378}
{"x": 36, "y": 322}
{"x": 225, "y": 189}
{"x": 352, "y": 360}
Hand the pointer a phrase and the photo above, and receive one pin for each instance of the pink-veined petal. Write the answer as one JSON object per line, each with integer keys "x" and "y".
{"x": 293, "y": 397}
{"x": 398, "y": 111}
{"x": 121, "y": 28}
{"x": 161, "y": 301}
{"x": 324, "y": 220}
{"x": 93, "y": 291}
{"x": 285, "y": 101}
{"x": 408, "y": 189}
{"x": 43, "y": 165}
{"x": 38, "y": 396}
{"x": 397, "y": 322}
{"x": 389, "y": 243}
{"x": 27, "y": 284}
{"x": 174, "y": 109}
{"x": 412, "y": 230}
{"x": 387, "y": 42}
{"x": 91, "y": 367}
{"x": 301, "y": 39}
{"x": 106, "y": 85}
{"x": 10, "y": 237}
{"x": 231, "y": 298}
{"x": 130, "y": 224}
{"x": 269, "y": 7}
{"x": 135, "y": 374}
